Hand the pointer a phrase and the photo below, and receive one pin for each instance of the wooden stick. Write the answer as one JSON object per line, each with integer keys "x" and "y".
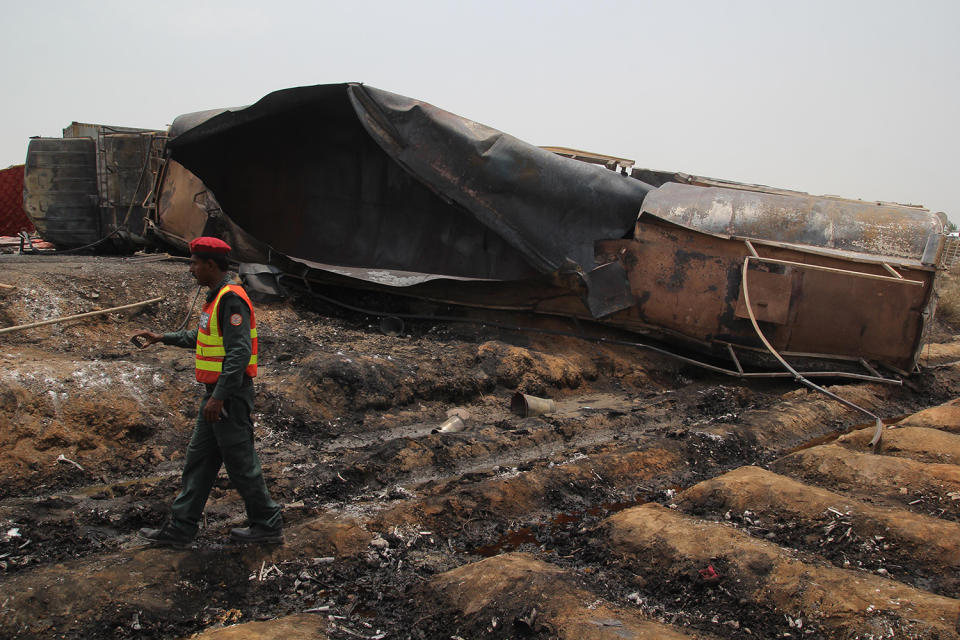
{"x": 80, "y": 315}
{"x": 6, "y": 286}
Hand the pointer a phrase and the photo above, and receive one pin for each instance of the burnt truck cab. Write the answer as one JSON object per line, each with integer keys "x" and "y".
{"x": 93, "y": 186}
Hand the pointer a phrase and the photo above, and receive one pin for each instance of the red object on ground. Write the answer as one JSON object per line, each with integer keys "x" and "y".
{"x": 13, "y": 220}
{"x": 709, "y": 573}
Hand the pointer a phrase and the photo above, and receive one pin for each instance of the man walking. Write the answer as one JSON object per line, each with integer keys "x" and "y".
{"x": 226, "y": 363}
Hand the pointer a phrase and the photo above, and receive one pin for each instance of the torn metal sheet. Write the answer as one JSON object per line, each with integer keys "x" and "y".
{"x": 186, "y": 208}
{"x": 414, "y": 188}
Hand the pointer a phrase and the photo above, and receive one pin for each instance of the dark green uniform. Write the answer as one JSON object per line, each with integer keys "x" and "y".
{"x": 230, "y": 441}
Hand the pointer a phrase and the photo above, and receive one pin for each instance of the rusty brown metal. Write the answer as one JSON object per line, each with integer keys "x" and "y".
{"x": 183, "y": 205}
{"x": 688, "y": 284}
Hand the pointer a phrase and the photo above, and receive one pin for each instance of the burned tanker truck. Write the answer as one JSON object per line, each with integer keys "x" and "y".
{"x": 352, "y": 186}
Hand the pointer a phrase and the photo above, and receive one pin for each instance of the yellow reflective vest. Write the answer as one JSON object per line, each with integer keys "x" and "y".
{"x": 210, "y": 351}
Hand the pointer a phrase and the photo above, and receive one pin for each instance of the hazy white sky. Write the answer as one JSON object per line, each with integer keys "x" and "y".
{"x": 859, "y": 99}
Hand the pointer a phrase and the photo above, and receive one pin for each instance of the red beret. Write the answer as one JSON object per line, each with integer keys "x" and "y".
{"x": 206, "y": 245}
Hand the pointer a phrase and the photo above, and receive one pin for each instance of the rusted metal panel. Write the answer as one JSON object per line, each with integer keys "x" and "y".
{"x": 183, "y": 204}
{"x": 689, "y": 284}
{"x": 770, "y": 296}
{"x": 835, "y": 223}
{"x": 60, "y": 190}
{"x": 130, "y": 162}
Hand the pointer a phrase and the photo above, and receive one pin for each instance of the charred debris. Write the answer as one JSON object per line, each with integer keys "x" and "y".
{"x": 356, "y": 187}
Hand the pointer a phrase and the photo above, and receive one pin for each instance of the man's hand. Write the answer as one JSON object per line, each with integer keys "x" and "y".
{"x": 212, "y": 410}
{"x": 144, "y": 339}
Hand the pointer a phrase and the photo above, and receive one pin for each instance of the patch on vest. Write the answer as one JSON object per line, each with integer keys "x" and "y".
{"x": 204, "y": 320}
{"x": 235, "y": 319}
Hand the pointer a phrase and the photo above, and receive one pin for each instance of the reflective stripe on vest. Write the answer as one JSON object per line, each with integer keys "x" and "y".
{"x": 210, "y": 350}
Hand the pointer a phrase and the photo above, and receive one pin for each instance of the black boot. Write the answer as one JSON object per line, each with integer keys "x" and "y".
{"x": 167, "y": 536}
{"x": 257, "y": 534}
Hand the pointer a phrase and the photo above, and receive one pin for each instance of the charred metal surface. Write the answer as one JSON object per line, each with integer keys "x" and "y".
{"x": 60, "y": 190}
{"x": 94, "y": 183}
{"x": 298, "y": 172}
{"x": 130, "y": 162}
{"x": 608, "y": 289}
{"x": 624, "y": 165}
{"x": 183, "y": 206}
{"x": 413, "y": 187}
{"x": 833, "y": 223}
{"x": 187, "y": 209}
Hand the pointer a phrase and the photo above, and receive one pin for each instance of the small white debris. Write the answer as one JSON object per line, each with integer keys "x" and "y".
{"x": 62, "y": 458}
{"x": 13, "y": 533}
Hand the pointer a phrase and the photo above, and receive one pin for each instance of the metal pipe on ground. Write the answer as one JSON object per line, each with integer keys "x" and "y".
{"x": 525, "y": 406}
{"x": 79, "y": 315}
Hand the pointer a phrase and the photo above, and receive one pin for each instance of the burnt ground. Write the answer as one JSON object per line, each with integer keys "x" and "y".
{"x": 656, "y": 501}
